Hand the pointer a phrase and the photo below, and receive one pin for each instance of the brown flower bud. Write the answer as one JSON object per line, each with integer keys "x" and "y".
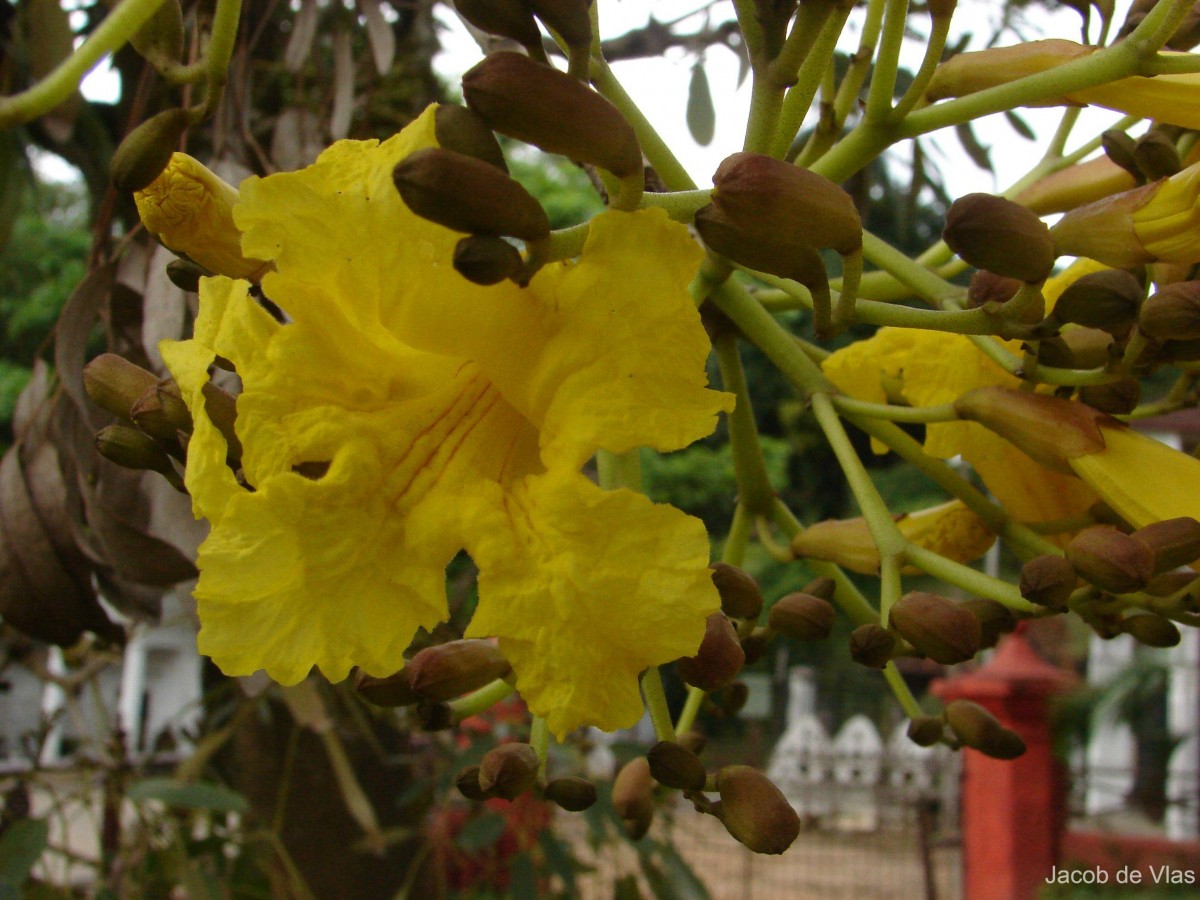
{"x": 433, "y": 715}
{"x": 466, "y": 194}
{"x": 1156, "y": 156}
{"x": 1003, "y": 237}
{"x": 730, "y": 699}
{"x": 393, "y": 690}
{"x": 1119, "y": 147}
{"x": 754, "y": 811}
{"x": 467, "y": 782}
{"x": 802, "y": 617}
{"x": 774, "y": 252}
{"x": 673, "y": 765}
{"x": 508, "y": 771}
{"x": 692, "y": 740}
{"x": 937, "y": 627}
{"x": 719, "y": 658}
{"x": 449, "y": 670}
{"x": 1174, "y": 542}
{"x": 1151, "y": 630}
{"x": 1076, "y": 348}
{"x": 1108, "y": 300}
{"x": 977, "y": 728}
{"x": 995, "y": 619}
{"x": 114, "y": 383}
{"x": 871, "y": 646}
{"x": 1115, "y": 398}
{"x": 1048, "y": 429}
{"x": 740, "y": 596}
{"x": 990, "y": 290}
{"x": 144, "y": 153}
{"x": 1172, "y": 313}
{"x": 767, "y": 196}
{"x": 570, "y": 18}
{"x": 186, "y": 275}
{"x": 925, "y": 731}
{"x": 1048, "y": 581}
{"x": 133, "y": 449}
{"x": 822, "y": 587}
{"x": 755, "y": 645}
{"x": 507, "y": 18}
{"x": 547, "y": 108}
{"x": 483, "y": 259}
{"x": 1169, "y": 583}
{"x": 161, "y": 412}
{"x": 633, "y": 797}
{"x": 572, "y": 793}
{"x": 1111, "y": 559}
{"x": 460, "y": 129}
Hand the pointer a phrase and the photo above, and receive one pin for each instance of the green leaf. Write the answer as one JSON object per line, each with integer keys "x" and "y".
{"x": 481, "y": 833}
{"x": 194, "y": 795}
{"x": 523, "y": 881}
{"x": 686, "y": 882}
{"x": 1019, "y": 125}
{"x": 970, "y": 143}
{"x": 20, "y": 848}
{"x": 701, "y": 116}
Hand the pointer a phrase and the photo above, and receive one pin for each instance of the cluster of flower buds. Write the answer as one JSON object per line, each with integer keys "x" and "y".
{"x": 516, "y": 20}
{"x": 154, "y": 422}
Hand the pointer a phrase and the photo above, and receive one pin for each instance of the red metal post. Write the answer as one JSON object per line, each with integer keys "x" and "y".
{"x": 1013, "y": 812}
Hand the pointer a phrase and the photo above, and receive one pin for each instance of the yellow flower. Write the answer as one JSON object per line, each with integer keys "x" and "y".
{"x": 403, "y": 414}
{"x": 189, "y": 200}
{"x": 930, "y": 368}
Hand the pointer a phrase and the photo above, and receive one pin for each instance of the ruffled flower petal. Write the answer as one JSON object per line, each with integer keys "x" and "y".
{"x": 586, "y": 588}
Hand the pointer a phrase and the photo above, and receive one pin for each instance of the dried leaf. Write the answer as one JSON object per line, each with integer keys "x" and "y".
{"x": 71, "y": 333}
{"x": 379, "y": 35}
{"x": 164, "y": 307}
{"x": 297, "y": 139}
{"x": 304, "y": 31}
{"x": 49, "y": 41}
{"x": 343, "y": 85}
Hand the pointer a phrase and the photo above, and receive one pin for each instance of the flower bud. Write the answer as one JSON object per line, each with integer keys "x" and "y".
{"x": 731, "y": 699}
{"x": 221, "y": 408}
{"x": 692, "y": 740}
{"x": 569, "y": 18}
{"x": 467, "y": 782}
{"x": 1115, "y": 398}
{"x": 967, "y": 73}
{"x": 1119, "y": 147}
{"x": 1049, "y": 429}
{"x": 507, "y": 18}
{"x": 995, "y": 619}
{"x": 1111, "y": 560}
{"x": 1172, "y": 313}
{"x": 190, "y": 210}
{"x": 1172, "y": 582}
{"x": 1003, "y": 237}
{"x": 761, "y": 194}
{"x": 145, "y": 152}
{"x": 114, "y": 383}
{"x": 977, "y": 728}
{"x": 433, "y": 715}
{"x": 1076, "y": 348}
{"x": 572, "y": 793}
{"x": 755, "y": 645}
{"x": 802, "y": 617}
{"x": 719, "y": 658}
{"x": 185, "y": 275}
{"x": 937, "y": 627}
{"x": 483, "y": 259}
{"x": 1104, "y": 230}
{"x": 1108, "y": 300}
{"x": 871, "y": 646}
{"x": 754, "y": 811}
{"x": 822, "y": 587}
{"x": 466, "y": 194}
{"x": 1151, "y": 630}
{"x": 633, "y": 797}
{"x": 992, "y": 291}
{"x": 740, "y": 596}
{"x": 1174, "y": 542}
{"x": 547, "y": 108}
{"x": 132, "y": 449}
{"x": 161, "y": 412}
{"x": 449, "y": 670}
{"x": 774, "y": 252}
{"x": 391, "y": 691}
{"x": 925, "y": 731}
{"x": 1048, "y": 581}
{"x": 673, "y": 765}
{"x": 1156, "y": 156}
{"x": 460, "y": 129}
{"x": 1075, "y": 186}
{"x": 508, "y": 771}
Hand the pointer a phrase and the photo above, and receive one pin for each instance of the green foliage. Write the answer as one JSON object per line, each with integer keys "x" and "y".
{"x": 560, "y": 186}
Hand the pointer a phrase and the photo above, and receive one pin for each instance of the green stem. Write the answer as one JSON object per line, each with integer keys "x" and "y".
{"x": 619, "y": 470}
{"x": 887, "y": 61}
{"x": 656, "y": 704}
{"x": 734, "y": 551}
{"x": 938, "y": 32}
{"x": 909, "y": 414}
{"x": 800, "y": 96}
{"x": 114, "y": 32}
{"x": 971, "y": 580}
{"x": 681, "y": 206}
{"x": 755, "y": 493}
{"x": 923, "y": 282}
{"x": 477, "y": 701}
{"x": 691, "y": 707}
{"x": 900, "y": 688}
{"x": 539, "y": 739}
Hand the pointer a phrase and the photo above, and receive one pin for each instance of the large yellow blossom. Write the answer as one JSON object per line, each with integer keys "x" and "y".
{"x": 402, "y": 414}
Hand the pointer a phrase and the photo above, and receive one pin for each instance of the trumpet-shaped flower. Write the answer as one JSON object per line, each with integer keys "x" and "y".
{"x": 402, "y": 414}
{"x": 929, "y": 368}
